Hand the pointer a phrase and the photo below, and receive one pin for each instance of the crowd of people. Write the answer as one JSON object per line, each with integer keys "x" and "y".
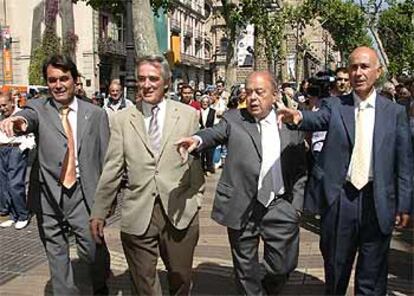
{"x": 337, "y": 147}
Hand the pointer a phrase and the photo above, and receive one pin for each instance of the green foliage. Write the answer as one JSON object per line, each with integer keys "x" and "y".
{"x": 118, "y": 6}
{"x": 396, "y": 29}
{"x": 346, "y": 23}
{"x": 50, "y": 45}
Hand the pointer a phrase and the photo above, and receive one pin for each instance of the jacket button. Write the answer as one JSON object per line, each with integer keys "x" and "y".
{"x": 154, "y": 194}
{"x": 157, "y": 172}
{"x": 60, "y": 163}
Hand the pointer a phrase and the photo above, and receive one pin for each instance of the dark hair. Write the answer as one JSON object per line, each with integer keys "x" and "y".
{"x": 61, "y": 62}
{"x": 220, "y": 81}
{"x": 341, "y": 69}
{"x": 185, "y": 86}
{"x": 233, "y": 103}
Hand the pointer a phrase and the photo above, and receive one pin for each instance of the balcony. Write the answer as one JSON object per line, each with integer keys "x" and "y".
{"x": 108, "y": 46}
{"x": 198, "y": 35}
{"x": 188, "y": 31}
{"x": 175, "y": 26}
{"x": 191, "y": 60}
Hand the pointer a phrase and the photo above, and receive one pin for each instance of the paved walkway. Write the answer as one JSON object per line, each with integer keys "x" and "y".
{"x": 24, "y": 270}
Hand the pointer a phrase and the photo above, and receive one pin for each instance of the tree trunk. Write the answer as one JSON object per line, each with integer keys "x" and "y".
{"x": 69, "y": 39}
{"x": 144, "y": 30}
{"x": 231, "y": 63}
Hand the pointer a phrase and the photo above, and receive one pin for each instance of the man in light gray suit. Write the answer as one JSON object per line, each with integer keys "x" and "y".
{"x": 260, "y": 192}
{"x": 72, "y": 137}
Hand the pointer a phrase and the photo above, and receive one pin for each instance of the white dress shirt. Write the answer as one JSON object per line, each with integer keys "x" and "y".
{"x": 369, "y": 105}
{"x": 271, "y": 155}
{"x": 204, "y": 115}
{"x": 147, "y": 111}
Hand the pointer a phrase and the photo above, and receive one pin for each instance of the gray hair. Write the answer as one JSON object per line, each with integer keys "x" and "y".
{"x": 157, "y": 59}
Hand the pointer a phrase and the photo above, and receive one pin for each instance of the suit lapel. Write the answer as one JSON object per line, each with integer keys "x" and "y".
{"x": 170, "y": 121}
{"x": 347, "y": 111}
{"x": 137, "y": 122}
{"x": 251, "y": 127}
{"x": 380, "y": 126}
{"x": 52, "y": 113}
{"x": 82, "y": 122}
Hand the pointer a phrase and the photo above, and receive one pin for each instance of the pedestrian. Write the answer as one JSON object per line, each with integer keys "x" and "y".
{"x": 342, "y": 86}
{"x": 362, "y": 184}
{"x": 159, "y": 213}
{"x": 260, "y": 191}
{"x": 116, "y": 100}
{"x": 72, "y": 137}
{"x": 13, "y": 165}
{"x": 207, "y": 120}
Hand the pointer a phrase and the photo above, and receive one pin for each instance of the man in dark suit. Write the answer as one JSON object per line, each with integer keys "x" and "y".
{"x": 207, "y": 117}
{"x": 362, "y": 182}
{"x": 72, "y": 137}
{"x": 260, "y": 192}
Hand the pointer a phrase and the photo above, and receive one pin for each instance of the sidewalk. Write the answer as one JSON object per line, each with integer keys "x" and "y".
{"x": 24, "y": 269}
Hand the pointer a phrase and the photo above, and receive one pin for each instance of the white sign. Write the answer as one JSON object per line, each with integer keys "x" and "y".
{"x": 245, "y": 45}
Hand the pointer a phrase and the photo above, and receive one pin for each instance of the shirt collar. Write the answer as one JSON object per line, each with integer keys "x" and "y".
{"x": 74, "y": 105}
{"x": 368, "y": 102}
{"x": 147, "y": 107}
{"x": 271, "y": 117}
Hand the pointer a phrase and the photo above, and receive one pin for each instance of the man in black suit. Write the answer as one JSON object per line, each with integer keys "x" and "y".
{"x": 362, "y": 182}
{"x": 260, "y": 192}
{"x": 207, "y": 117}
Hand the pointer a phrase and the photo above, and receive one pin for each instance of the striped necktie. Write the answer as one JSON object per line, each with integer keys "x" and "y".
{"x": 154, "y": 130}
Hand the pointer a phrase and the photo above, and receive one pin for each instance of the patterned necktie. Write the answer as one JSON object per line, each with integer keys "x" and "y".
{"x": 68, "y": 171}
{"x": 360, "y": 155}
{"x": 154, "y": 130}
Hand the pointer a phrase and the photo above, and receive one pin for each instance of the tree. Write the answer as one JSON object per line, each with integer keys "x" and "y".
{"x": 50, "y": 44}
{"x": 345, "y": 22}
{"x": 396, "y": 28}
{"x": 145, "y": 38}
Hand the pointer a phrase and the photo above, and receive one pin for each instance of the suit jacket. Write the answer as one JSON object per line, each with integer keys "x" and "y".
{"x": 179, "y": 186}
{"x": 238, "y": 185}
{"x": 210, "y": 118}
{"x": 392, "y": 156}
{"x": 43, "y": 120}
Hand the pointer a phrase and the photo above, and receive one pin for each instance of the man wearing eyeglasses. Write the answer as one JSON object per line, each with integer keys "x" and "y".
{"x": 342, "y": 85}
{"x": 72, "y": 137}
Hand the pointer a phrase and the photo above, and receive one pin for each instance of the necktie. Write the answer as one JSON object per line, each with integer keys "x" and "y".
{"x": 154, "y": 130}
{"x": 360, "y": 155}
{"x": 270, "y": 177}
{"x": 68, "y": 171}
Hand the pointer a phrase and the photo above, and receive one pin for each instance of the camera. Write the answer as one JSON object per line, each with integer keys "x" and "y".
{"x": 321, "y": 84}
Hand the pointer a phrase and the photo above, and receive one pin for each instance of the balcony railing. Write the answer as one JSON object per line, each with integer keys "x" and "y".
{"x": 188, "y": 31}
{"x": 108, "y": 46}
{"x": 191, "y": 60}
{"x": 175, "y": 25}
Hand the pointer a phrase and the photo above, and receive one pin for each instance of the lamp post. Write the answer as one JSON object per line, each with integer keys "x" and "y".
{"x": 130, "y": 81}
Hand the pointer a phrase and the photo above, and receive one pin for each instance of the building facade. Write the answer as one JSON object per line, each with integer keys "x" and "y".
{"x": 100, "y": 53}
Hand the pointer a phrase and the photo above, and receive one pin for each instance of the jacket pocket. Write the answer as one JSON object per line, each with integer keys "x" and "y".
{"x": 224, "y": 189}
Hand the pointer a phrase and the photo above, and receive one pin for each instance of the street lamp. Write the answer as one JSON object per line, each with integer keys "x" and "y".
{"x": 130, "y": 81}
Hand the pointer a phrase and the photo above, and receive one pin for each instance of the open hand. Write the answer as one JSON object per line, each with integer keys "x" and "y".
{"x": 13, "y": 124}
{"x": 186, "y": 146}
{"x": 286, "y": 115}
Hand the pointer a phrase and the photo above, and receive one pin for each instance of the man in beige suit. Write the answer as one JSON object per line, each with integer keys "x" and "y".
{"x": 161, "y": 203}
